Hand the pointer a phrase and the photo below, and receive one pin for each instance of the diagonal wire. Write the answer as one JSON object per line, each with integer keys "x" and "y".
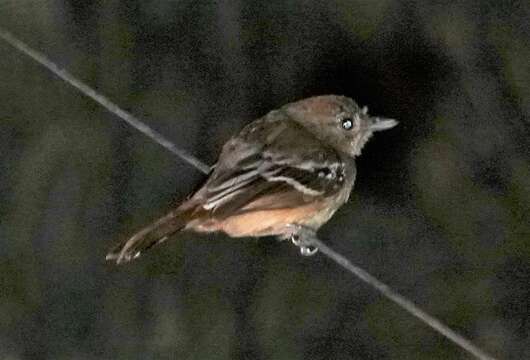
{"x": 400, "y": 300}
{"x": 103, "y": 101}
{"x": 382, "y": 288}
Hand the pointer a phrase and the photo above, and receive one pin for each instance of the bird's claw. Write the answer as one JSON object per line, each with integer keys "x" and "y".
{"x": 308, "y": 250}
{"x": 302, "y": 237}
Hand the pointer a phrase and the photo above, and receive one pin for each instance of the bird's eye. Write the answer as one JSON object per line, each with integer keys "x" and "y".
{"x": 347, "y": 124}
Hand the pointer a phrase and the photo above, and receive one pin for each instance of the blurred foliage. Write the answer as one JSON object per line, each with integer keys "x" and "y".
{"x": 440, "y": 208}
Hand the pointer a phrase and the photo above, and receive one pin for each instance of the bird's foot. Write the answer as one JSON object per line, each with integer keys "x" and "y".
{"x": 302, "y": 237}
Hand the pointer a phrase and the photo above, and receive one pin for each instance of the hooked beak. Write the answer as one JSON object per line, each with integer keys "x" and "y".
{"x": 379, "y": 124}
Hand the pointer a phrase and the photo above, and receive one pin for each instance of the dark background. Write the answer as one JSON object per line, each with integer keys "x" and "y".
{"x": 439, "y": 211}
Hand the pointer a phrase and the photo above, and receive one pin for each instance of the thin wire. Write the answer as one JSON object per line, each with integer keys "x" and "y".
{"x": 401, "y": 301}
{"x": 384, "y": 289}
{"x": 103, "y": 101}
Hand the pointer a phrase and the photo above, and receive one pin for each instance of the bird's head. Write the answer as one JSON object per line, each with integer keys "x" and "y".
{"x": 338, "y": 121}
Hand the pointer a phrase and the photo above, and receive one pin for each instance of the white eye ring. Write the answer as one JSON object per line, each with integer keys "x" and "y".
{"x": 347, "y": 124}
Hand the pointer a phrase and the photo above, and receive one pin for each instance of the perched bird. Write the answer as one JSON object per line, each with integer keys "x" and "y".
{"x": 289, "y": 170}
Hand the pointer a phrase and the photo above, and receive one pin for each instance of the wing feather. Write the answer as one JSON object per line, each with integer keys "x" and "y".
{"x": 285, "y": 167}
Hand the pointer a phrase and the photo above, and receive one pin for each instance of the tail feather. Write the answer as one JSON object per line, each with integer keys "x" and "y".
{"x": 148, "y": 237}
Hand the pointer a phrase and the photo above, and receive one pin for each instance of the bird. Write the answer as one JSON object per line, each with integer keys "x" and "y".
{"x": 282, "y": 175}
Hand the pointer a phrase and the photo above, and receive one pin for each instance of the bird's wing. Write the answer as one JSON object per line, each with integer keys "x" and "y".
{"x": 272, "y": 164}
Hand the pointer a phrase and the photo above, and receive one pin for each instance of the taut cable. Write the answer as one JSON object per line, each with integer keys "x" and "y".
{"x": 103, "y": 101}
{"x": 382, "y": 288}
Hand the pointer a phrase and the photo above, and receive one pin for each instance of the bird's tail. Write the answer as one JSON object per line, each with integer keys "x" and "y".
{"x": 150, "y": 236}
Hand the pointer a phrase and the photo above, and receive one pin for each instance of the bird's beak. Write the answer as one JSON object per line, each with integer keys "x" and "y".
{"x": 379, "y": 124}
